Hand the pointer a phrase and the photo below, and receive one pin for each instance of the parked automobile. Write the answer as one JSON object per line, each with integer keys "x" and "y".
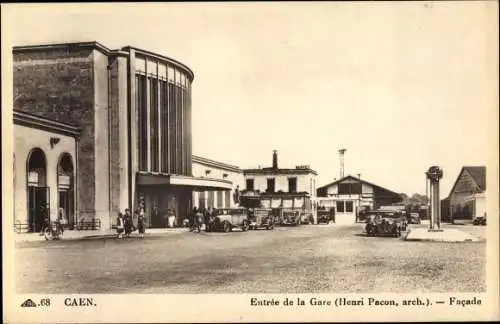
{"x": 306, "y": 218}
{"x": 290, "y": 217}
{"x": 479, "y": 220}
{"x": 261, "y": 218}
{"x": 385, "y": 223}
{"x": 228, "y": 219}
{"x": 326, "y": 216}
{"x": 414, "y": 218}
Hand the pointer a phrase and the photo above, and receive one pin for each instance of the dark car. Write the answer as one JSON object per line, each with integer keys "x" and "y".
{"x": 290, "y": 217}
{"x": 306, "y": 218}
{"x": 385, "y": 223}
{"x": 479, "y": 220}
{"x": 414, "y": 218}
{"x": 261, "y": 218}
{"x": 326, "y": 216}
{"x": 229, "y": 218}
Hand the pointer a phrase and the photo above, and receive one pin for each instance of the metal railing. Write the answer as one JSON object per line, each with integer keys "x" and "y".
{"x": 21, "y": 227}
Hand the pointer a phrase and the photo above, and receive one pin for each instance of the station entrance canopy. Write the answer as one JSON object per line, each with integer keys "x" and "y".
{"x": 195, "y": 183}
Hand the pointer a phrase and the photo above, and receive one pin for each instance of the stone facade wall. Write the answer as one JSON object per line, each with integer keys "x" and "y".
{"x": 59, "y": 85}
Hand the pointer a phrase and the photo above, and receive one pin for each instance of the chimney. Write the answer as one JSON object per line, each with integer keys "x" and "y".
{"x": 275, "y": 159}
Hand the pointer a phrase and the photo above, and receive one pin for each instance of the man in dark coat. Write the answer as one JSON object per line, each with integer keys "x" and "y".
{"x": 236, "y": 195}
{"x": 128, "y": 222}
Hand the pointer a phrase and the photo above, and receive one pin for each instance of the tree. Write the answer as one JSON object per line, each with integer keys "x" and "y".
{"x": 413, "y": 203}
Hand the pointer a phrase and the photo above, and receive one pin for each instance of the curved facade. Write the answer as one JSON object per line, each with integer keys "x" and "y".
{"x": 162, "y": 99}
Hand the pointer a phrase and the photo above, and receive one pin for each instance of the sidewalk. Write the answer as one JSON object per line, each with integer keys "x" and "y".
{"x": 448, "y": 234}
{"x": 100, "y": 234}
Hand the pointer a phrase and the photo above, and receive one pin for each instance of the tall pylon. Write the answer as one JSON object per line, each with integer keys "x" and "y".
{"x": 342, "y": 152}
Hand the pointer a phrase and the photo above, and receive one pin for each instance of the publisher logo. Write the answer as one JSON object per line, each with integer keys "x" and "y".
{"x": 28, "y": 303}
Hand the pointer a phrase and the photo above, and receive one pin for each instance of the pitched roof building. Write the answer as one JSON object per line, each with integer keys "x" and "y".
{"x": 468, "y": 195}
{"x": 350, "y": 194}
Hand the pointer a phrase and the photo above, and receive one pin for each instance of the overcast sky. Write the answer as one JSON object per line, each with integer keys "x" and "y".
{"x": 401, "y": 86}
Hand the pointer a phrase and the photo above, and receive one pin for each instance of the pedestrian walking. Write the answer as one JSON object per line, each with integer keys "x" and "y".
{"x": 128, "y": 223}
{"x": 171, "y": 218}
{"x": 46, "y": 220}
{"x": 198, "y": 221}
{"x": 192, "y": 218}
{"x": 141, "y": 226}
{"x": 120, "y": 225}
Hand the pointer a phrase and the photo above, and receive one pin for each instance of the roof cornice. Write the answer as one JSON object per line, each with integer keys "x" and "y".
{"x": 59, "y": 46}
{"x": 34, "y": 121}
{"x": 266, "y": 171}
{"x": 161, "y": 58}
{"x": 462, "y": 170}
{"x": 215, "y": 164}
{"x": 358, "y": 179}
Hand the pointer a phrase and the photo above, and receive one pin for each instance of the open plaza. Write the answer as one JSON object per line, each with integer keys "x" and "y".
{"x": 303, "y": 259}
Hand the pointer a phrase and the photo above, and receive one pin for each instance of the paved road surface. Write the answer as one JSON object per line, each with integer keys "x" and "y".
{"x": 315, "y": 258}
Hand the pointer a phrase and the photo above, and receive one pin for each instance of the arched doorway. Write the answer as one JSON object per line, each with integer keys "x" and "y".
{"x": 65, "y": 186}
{"x": 38, "y": 192}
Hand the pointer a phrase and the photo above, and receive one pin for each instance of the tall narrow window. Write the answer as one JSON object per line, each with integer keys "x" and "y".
{"x": 210, "y": 200}
{"x": 349, "y": 207}
{"x": 178, "y": 126}
{"x": 292, "y": 184}
{"x": 189, "y": 128}
{"x": 250, "y": 183}
{"x": 164, "y": 127}
{"x": 270, "y": 185}
{"x": 171, "y": 127}
{"x": 142, "y": 109}
{"x": 219, "y": 198}
{"x": 153, "y": 113}
{"x": 340, "y": 206}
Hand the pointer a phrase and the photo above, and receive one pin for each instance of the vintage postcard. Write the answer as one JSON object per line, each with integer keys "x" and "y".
{"x": 250, "y": 162}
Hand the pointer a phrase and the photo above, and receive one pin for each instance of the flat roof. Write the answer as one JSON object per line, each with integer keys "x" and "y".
{"x": 94, "y": 45}
{"x": 215, "y": 164}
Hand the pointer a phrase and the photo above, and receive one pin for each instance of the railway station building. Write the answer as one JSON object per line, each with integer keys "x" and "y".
{"x": 98, "y": 130}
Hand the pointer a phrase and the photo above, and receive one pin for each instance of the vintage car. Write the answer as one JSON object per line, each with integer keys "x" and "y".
{"x": 479, "y": 220}
{"x": 326, "y": 216}
{"x": 385, "y": 223}
{"x": 306, "y": 218}
{"x": 226, "y": 219}
{"x": 261, "y": 218}
{"x": 290, "y": 217}
{"x": 414, "y": 218}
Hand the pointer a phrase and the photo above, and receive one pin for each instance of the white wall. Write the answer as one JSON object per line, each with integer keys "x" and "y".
{"x": 26, "y": 139}
{"x": 481, "y": 207}
{"x": 199, "y": 170}
{"x": 332, "y": 190}
{"x": 305, "y": 182}
{"x": 365, "y": 188}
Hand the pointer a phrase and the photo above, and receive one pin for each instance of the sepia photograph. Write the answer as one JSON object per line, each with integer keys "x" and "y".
{"x": 228, "y": 159}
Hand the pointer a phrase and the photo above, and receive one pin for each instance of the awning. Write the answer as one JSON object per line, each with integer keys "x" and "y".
{"x": 196, "y": 183}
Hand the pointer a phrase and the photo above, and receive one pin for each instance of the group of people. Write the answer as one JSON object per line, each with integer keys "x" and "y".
{"x": 201, "y": 217}
{"x": 125, "y": 223}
